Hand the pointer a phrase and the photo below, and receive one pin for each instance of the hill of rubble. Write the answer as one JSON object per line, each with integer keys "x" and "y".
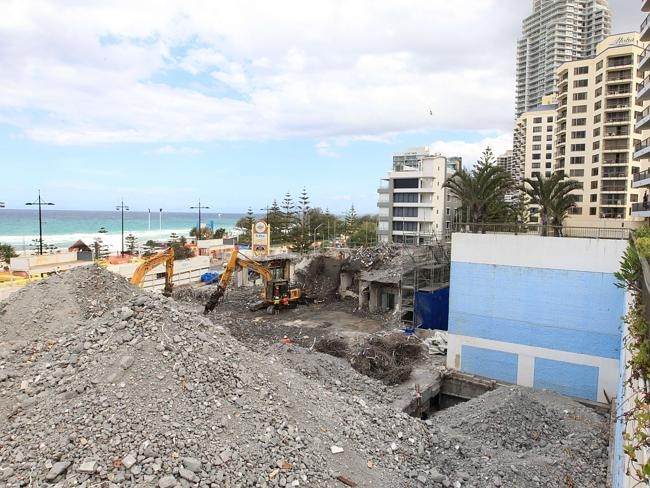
{"x": 104, "y": 385}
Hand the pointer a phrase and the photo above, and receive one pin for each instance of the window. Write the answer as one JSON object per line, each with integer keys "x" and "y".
{"x": 549, "y": 119}
{"x": 549, "y": 165}
{"x": 537, "y": 138}
{"x": 596, "y": 145}
{"x": 592, "y": 210}
{"x": 405, "y": 212}
{"x": 575, "y": 211}
{"x": 577, "y": 147}
{"x": 593, "y": 198}
{"x": 599, "y": 78}
{"x": 405, "y": 198}
{"x": 594, "y": 185}
{"x": 580, "y": 83}
{"x": 536, "y": 165}
{"x": 406, "y": 183}
{"x": 537, "y": 128}
{"x": 405, "y": 226}
{"x": 537, "y": 156}
{"x": 161, "y": 276}
{"x": 578, "y": 134}
{"x": 579, "y": 109}
{"x": 537, "y": 147}
{"x": 537, "y": 120}
{"x": 581, "y": 70}
{"x": 577, "y": 160}
{"x": 576, "y": 173}
{"x": 549, "y": 147}
{"x": 578, "y": 122}
{"x": 599, "y": 92}
{"x": 596, "y": 132}
{"x": 549, "y": 128}
{"x": 599, "y": 66}
{"x": 578, "y": 198}
{"x": 549, "y": 137}
{"x": 595, "y": 158}
{"x": 598, "y": 105}
{"x": 597, "y": 119}
{"x": 580, "y": 96}
{"x": 535, "y": 174}
{"x": 594, "y": 171}
{"x": 549, "y": 155}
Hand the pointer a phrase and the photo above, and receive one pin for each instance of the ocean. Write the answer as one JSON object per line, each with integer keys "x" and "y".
{"x": 61, "y": 228}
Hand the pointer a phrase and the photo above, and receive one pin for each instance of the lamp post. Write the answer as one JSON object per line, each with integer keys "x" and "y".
{"x": 198, "y": 229}
{"x": 267, "y": 208}
{"x": 317, "y": 227}
{"x": 122, "y": 208}
{"x": 40, "y": 204}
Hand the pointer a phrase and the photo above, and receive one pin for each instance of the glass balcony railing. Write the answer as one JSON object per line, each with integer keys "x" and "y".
{"x": 642, "y": 175}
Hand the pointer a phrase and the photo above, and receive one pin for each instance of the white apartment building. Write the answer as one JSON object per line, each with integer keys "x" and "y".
{"x": 533, "y": 141}
{"x": 413, "y": 206}
{"x": 596, "y": 130}
{"x": 556, "y": 32}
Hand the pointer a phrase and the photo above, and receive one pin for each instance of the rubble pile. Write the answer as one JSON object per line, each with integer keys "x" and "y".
{"x": 375, "y": 257}
{"x": 104, "y": 385}
{"x": 319, "y": 276}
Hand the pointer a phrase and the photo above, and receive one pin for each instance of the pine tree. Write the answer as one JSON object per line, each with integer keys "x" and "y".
{"x": 303, "y": 209}
{"x": 131, "y": 243}
{"x": 289, "y": 213}
{"x": 275, "y": 221}
{"x": 100, "y": 249}
{"x": 351, "y": 221}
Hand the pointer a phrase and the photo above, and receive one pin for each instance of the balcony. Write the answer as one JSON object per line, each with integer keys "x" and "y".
{"x": 643, "y": 93}
{"x": 613, "y": 186}
{"x": 645, "y": 29}
{"x": 613, "y": 200}
{"x": 640, "y": 210}
{"x": 642, "y": 150}
{"x": 643, "y": 121}
{"x": 620, "y": 61}
{"x": 615, "y": 159}
{"x": 644, "y": 63}
{"x": 615, "y": 173}
{"x": 617, "y": 132}
{"x": 639, "y": 180}
{"x": 616, "y": 145}
{"x": 645, "y": 5}
{"x": 624, "y": 75}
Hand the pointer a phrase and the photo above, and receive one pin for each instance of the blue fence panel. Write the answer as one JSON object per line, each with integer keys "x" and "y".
{"x": 432, "y": 309}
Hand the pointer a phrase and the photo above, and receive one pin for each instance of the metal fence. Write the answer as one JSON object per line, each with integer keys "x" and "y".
{"x": 544, "y": 230}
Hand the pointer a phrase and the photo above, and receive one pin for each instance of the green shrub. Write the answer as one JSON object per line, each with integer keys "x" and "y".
{"x": 643, "y": 246}
{"x": 643, "y": 231}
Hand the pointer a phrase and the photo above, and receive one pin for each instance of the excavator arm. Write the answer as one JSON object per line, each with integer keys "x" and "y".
{"x": 234, "y": 262}
{"x": 167, "y": 257}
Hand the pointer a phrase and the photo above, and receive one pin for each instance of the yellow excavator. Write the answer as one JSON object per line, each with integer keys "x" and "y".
{"x": 167, "y": 257}
{"x": 277, "y": 293}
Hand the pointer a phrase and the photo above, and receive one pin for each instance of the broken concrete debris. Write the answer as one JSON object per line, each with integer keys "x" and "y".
{"x": 166, "y": 397}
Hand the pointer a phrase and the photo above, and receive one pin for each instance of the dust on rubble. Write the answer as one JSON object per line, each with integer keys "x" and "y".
{"x": 102, "y": 384}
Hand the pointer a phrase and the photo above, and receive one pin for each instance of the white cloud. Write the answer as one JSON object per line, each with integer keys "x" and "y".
{"x": 326, "y": 151}
{"x": 472, "y": 151}
{"x": 195, "y": 70}
{"x": 174, "y": 150}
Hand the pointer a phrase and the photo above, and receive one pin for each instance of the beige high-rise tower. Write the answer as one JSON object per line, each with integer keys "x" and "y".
{"x": 556, "y": 32}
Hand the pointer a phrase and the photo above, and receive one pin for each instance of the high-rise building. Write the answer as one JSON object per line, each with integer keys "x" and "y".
{"x": 557, "y": 31}
{"x": 596, "y": 134}
{"x": 414, "y": 208}
{"x": 533, "y": 142}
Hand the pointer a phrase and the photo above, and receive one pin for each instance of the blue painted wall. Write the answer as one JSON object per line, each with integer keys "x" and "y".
{"x": 566, "y": 378}
{"x": 571, "y": 311}
{"x": 493, "y": 364}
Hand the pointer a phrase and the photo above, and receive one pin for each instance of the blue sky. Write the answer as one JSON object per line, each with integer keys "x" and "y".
{"x": 237, "y": 104}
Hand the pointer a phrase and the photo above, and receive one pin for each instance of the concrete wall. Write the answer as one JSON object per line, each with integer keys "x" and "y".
{"x": 537, "y": 311}
{"x": 186, "y": 271}
{"x": 28, "y": 262}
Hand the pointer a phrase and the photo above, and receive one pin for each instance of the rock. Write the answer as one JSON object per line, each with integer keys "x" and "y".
{"x": 57, "y": 470}
{"x": 141, "y": 300}
{"x": 126, "y": 362}
{"x": 126, "y": 313}
{"x": 192, "y": 464}
{"x": 129, "y": 460}
{"x": 336, "y": 450}
{"x": 88, "y": 466}
{"x": 188, "y": 475}
{"x": 167, "y": 482}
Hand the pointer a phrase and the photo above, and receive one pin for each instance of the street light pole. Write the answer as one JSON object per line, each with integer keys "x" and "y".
{"x": 40, "y": 204}
{"x": 198, "y": 229}
{"x": 122, "y": 207}
{"x": 315, "y": 230}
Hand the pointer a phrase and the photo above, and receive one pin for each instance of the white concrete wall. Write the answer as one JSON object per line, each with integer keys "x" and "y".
{"x": 27, "y": 262}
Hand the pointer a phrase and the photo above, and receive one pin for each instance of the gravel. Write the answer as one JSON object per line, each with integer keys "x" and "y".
{"x": 104, "y": 385}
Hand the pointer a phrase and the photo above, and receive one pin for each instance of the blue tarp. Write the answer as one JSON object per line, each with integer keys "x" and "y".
{"x": 432, "y": 309}
{"x": 210, "y": 278}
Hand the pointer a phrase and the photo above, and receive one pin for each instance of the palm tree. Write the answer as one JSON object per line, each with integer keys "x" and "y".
{"x": 553, "y": 197}
{"x": 480, "y": 190}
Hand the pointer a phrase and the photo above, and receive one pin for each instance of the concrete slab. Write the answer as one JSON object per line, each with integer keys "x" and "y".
{"x": 337, "y": 322}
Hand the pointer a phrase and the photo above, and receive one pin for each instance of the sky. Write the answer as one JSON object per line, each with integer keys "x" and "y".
{"x": 235, "y": 103}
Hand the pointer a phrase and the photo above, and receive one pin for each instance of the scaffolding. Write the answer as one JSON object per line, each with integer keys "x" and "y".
{"x": 425, "y": 268}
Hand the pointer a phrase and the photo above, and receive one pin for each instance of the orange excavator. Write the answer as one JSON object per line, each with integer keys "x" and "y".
{"x": 166, "y": 257}
{"x": 277, "y": 293}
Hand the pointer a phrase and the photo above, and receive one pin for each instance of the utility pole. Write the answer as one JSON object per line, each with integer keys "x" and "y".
{"x": 160, "y": 220}
{"x": 40, "y": 204}
{"x": 122, "y": 207}
{"x": 267, "y": 208}
{"x": 198, "y": 229}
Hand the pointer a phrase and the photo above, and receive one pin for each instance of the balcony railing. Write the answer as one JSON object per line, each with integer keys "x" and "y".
{"x": 620, "y": 76}
{"x": 615, "y": 161}
{"x": 615, "y": 174}
{"x": 643, "y": 114}
{"x": 641, "y": 207}
{"x": 642, "y": 145}
{"x": 626, "y": 61}
{"x": 644, "y": 24}
{"x": 543, "y": 230}
{"x": 642, "y": 175}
